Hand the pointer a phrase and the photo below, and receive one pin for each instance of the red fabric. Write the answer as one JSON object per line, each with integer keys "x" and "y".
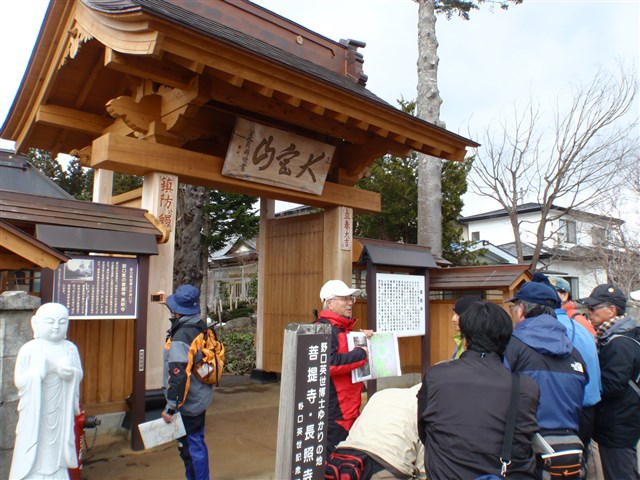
{"x": 345, "y": 401}
{"x": 572, "y": 313}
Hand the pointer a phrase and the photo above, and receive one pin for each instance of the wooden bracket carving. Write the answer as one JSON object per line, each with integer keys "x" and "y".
{"x": 136, "y": 115}
{"x": 77, "y": 36}
{"x": 179, "y": 106}
{"x": 83, "y": 155}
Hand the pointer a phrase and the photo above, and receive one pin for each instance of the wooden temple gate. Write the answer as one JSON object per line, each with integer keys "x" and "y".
{"x": 161, "y": 88}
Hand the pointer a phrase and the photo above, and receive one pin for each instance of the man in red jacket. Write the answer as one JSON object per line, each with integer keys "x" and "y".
{"x": 344, "y": 395}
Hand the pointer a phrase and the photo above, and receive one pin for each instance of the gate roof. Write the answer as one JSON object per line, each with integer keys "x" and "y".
{"x": 180, "y": 73}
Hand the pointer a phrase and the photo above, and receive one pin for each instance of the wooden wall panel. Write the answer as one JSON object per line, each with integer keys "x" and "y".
{"x": 293, "y": 278}
{"x": 442, "y": 345}
{"x": 106, "y": 351}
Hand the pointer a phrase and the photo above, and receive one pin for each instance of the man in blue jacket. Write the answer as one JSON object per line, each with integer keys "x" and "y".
{"x": 584, "y": 342}
{"x": 541, "y": 349}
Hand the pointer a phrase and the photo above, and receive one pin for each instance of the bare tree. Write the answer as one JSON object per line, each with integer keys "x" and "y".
{"x": 621, "y": 260}
{"x": 428, "y": 108}
{"x": 575, "y": 164}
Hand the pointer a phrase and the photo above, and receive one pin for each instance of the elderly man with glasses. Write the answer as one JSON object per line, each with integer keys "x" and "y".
{"x": 617, "y": 429}
{"x": 344, "y": 395}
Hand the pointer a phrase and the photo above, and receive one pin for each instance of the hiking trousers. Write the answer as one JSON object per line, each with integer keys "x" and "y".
{"x": 193, "y": 449}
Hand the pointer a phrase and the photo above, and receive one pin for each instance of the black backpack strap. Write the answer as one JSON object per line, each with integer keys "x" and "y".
{"x": 633, "y": 382}
{"x": 507, "y": 442}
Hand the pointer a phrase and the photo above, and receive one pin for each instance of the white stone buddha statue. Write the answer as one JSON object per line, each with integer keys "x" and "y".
{"x": 48, "y": 374}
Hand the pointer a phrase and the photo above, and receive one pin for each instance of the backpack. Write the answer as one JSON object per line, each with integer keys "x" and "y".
{"x": 205, "y": 359}
{"x": 347, "y": 464}
{"x": 634, "y": 383}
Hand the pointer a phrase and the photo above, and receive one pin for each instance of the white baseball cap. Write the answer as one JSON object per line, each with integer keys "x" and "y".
{"x": 337, "y": 288}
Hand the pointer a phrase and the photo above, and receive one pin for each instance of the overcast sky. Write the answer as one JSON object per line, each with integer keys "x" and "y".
{"x": 488, "y": 64}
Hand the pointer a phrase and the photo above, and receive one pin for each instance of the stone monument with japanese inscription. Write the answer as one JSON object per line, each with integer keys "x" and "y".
{"x": 304, "y": 390}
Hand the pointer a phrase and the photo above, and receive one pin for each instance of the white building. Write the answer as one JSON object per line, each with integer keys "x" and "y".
{"x": 571, "y": 242}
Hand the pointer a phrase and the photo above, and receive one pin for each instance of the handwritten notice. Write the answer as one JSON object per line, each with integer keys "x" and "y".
{"x": 275, "y": 157}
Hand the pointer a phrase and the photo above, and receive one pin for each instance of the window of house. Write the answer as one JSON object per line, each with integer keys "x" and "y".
{"x": 568, "y": 231}
{"x": 575, "y": 286}
{"x": 475, "y": 236}
{"x": 598, "y": 236}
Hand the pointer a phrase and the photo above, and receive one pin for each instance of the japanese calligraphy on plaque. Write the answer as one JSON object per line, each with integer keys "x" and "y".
{"x": 310, "y": 401}
{"x": 346, "y": 228}
{"x": 95, "y": 287}
{"x": 275, "y": 157}
{"x": 400, "y": 304}
{"x": 167, "y": 204}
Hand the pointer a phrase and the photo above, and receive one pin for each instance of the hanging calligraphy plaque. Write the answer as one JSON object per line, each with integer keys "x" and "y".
{"x": 275, "y": 157}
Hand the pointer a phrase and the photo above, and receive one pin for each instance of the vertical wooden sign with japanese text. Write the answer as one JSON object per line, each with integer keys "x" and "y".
{"x": 159, "y": 197}
{"x": 346, "y": 228}
{"x": 304, "y": 390}
{"x": 275, "y": 157}
{"x": 167, "y": 201}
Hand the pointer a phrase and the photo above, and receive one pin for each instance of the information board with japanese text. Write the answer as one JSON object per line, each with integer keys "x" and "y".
{"x": 97, "y": 287}
{"x": 400, "y": 304}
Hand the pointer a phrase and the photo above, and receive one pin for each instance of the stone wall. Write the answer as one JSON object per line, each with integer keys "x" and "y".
{"x": 16, "y": 310}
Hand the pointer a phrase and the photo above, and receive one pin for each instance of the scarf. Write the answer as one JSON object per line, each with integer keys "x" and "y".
{"x": 606, "y": 326}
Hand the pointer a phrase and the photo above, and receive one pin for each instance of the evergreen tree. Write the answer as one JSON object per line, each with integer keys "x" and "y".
{"x": 454, "y": 186}
{"x": 396, "y": 179}
{"x": 229, "y": 215}
{"x": 41, "y": 159}
{"x": 76, "y": 182}
{"x": 123, "y": 182}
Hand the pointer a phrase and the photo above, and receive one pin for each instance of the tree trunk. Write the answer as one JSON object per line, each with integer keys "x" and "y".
{"x": 428, "y": 108}
{"x": 187, "y": 265}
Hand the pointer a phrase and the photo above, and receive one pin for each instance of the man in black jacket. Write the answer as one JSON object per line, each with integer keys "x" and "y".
{"x": 617, "y": 428}
{"x": 463, "y": 405}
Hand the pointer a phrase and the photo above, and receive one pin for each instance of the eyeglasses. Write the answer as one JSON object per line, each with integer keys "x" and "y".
{"x": 350, "y": 299}
{"x": 514, "y": 305}
{"x": 597, "y": 307}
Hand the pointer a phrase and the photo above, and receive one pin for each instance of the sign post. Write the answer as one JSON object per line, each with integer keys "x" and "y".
{"x": 304, "y": 390}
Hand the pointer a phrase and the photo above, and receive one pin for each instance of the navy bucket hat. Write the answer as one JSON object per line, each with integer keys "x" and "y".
{"x": 185, "y": 300}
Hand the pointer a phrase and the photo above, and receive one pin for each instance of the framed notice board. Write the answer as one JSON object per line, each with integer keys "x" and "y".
{"x": 401, "y": 304}
{"x": 97, "y": 287}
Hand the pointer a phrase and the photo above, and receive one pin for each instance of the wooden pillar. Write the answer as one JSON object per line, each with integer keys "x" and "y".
{"x": 159, "y": 197}
{"x": 372, "y": 305}
{"x": 140, "y": 351}
{"x": 267, "y": 214}
{"x": 102, "y": 185}
{"x": 426, "y": 338}
{"x": 338, "y": 243}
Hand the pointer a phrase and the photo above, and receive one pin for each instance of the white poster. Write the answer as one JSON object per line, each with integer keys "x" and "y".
{"x": 400, "y": 304}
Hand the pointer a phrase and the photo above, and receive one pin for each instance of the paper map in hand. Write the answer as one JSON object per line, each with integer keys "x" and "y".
{"x": 384, "y": 355}
{"x": 157, "y": 432}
